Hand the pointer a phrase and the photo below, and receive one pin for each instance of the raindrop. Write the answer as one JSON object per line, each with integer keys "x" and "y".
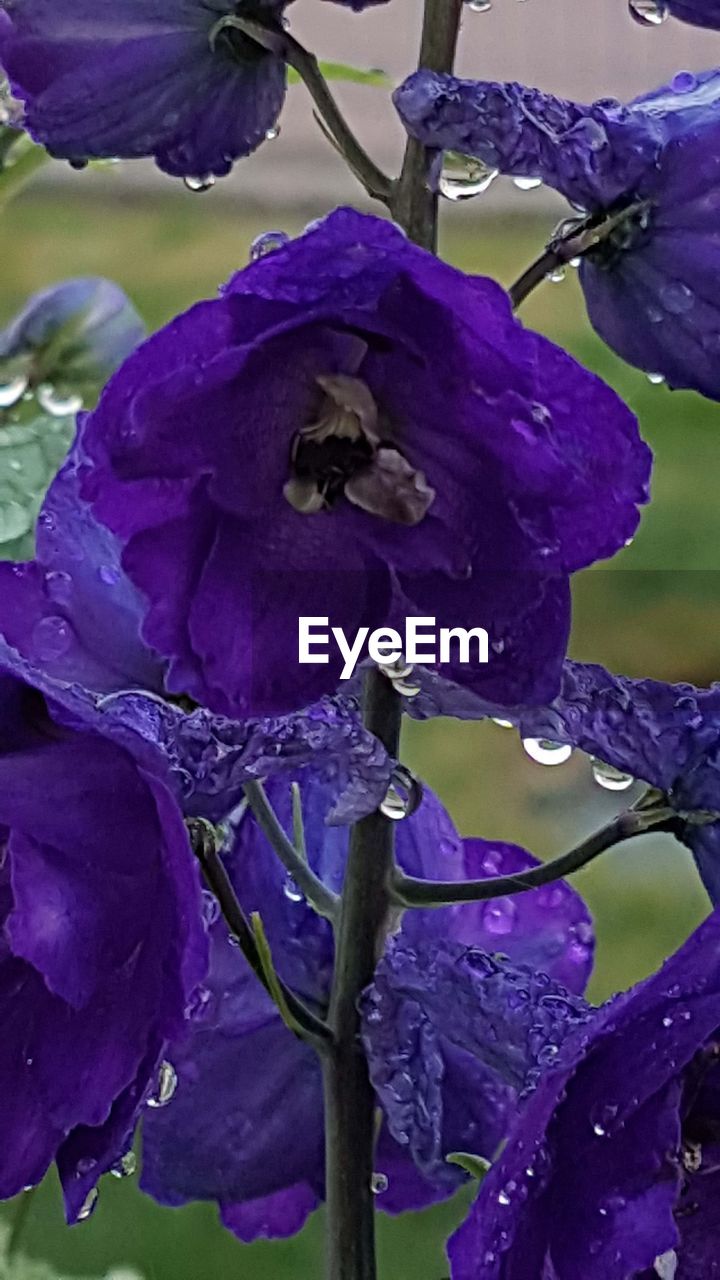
{"x": 684, "y": 82}
{"x": 503, "y": 1197}
{"x": 649, "y": 13}
{"x": 479, "y": 6}
{"x": 378, "y": 1183}
{"x": 543, "y": 751}
{"x": 198, "y": 1005}
{"x": 12, "y": 391}
{"x": 89, "y": 1206}
{"x": 165, "y": 1088}
{"x": 557, "y": 275}
{"x": 52, "y": 637}
{"x": 677, "y": 298}
{"x": 503, "y": 724}
{"x": 574, "y": 263}
{"x": 109, "y": 575}
{"x": 266, "y": 243}
{"x": 57, "y": 405}
{"x": 607, "y": 776}
{"x": 667, "y": 1021}
{"x": 291, "y": 890}
{"x": 527, "y": 184}
{"x": 599, "y": 1131}
{"x": 272, "y": 133}
{"x": 125, "y": 1166}
{"x": 200, "y": 184}
{"x": 463, "y": 177}
{"x": 498, "y": 916}
{"x": 395, "y": 805}
{"x": 656, "y": 379}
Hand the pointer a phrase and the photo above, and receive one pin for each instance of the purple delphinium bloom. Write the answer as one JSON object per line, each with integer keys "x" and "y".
{"x": 297, "y": 447}
{"x": 69, "y": 338}
{"x": 145, "y": 79}
{"x": 650, "y": 170}
{"x": 102, "y": 945}
{"x": 246, "y": 1125}
{"x": 610, "y": 1172}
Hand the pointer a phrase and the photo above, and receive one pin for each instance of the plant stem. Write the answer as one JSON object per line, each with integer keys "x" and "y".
{"x": 218, "y": 881}
{"x": 414, "y": 205}
{"x": 349, "y": 1098}
{"x": 321, "y": 899}
{"x": 408, "y": 891}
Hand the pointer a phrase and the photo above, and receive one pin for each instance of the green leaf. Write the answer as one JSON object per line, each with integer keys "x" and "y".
{"x": 271, "y": 977}
{"x": 374, "y": 76}
{"x": 476, "y": 1166}
{"x": 30, "y": 454}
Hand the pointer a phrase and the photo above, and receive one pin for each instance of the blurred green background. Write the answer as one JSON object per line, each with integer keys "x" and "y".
{"x": 655, "y": 611}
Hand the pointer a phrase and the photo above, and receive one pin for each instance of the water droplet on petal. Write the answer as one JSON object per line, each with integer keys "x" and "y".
{"x": 463, "y": 177}
{"x": 108, "y": 574}
{"x": 543, "y": 751}
{"x": 89, "y": 1206}
{"x": 684, "y": 82}
{"x": 395, "y": 805}
{"x": 200, "y": 184}
{"x": 607, "y": 776}
{"x": 666, "y": 1265}
{"x": 527, "y": 184}
{"x": 656, "y": 379}
{"x": 291, "y": 890}
{"x": 503, "y": 724}
{"x": 479, "y": 6}
{"x": 649, "y": 13}
{"x": 667, "y": 1021}
{"x": 499, "y": 915}
{"x": 165, "y": 1088}
{"x": 52, "y": 637}
{"x": 272, "y": 133}
{"x": 125, "y": 1166}
{"x": 58, "y": 586}
{"x": 503, "y": 1198}
{"x": 57, "y": 405}
{"x": 677, "y": 298}
{"x": 12, "y": 391}
{"x": 210, "y": 907}
{"x": 266, "y": 243}
{"x": 378, "y": 1183}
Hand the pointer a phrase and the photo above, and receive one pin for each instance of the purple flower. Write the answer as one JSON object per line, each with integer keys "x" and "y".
{"x": 67, "y": 341}
{"x": 233, "y": 1133}
{"x": 178, "y": 82}
{"x": 102, "y": 944}
{"x": 298, "y": 447}
{"x": 650, "y": 170}
{"x": 610, "y": 1171}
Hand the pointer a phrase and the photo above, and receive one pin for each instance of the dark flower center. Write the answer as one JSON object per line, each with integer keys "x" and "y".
{"x": 341, "y": 454}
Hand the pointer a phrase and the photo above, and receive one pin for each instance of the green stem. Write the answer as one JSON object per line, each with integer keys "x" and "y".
{"x": 408, "y": 891}
{"x": 349, "y": 1097}
{"x": 414, "y": 205}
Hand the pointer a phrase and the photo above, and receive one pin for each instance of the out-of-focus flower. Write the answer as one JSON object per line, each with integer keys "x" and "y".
{"x": 66, "y": 342}
{"x": 649, "y": 171}
{"x": 699, "y": 13}
{"x": 611, "y": 1170}
{"x": 358, "y": 431}
{"x": 180, "y": 83}
{"x": 102, "y": 947}
{"x": 245, "y": 1128}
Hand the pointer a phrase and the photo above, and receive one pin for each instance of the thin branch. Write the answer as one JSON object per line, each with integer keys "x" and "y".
{"x": 283, "y": 45}
{"x": 376, "y": 183}
{"x": 322, "y": 899}
{"x": 409, "y": 891}
{"x": 218, "y": 881}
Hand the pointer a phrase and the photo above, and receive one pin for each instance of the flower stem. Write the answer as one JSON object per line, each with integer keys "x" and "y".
{"x": 322, "y": 899}
{"x": 408, "y": 891}
{"x": 349, "y": 1098}
{"x": 414, "y": 204}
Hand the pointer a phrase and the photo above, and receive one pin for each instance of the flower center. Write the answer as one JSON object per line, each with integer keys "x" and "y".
{"x": 341, "y": 454}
